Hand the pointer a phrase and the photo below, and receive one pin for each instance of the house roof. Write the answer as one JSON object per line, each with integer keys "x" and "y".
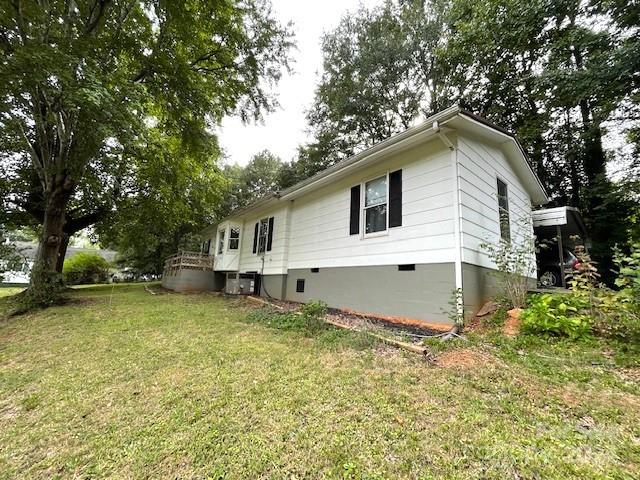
{"x": 453, "y": 118}
{"x": 29, "y": 251}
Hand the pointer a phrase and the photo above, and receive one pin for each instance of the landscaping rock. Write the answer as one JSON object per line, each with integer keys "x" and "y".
{"x": 487, "y": 308}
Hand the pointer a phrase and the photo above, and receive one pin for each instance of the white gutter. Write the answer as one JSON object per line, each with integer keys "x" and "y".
{"x": 370, "y": 154}
{"x": 457, "y": 219}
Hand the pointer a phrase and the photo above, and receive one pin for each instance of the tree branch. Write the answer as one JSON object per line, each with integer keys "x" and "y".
{"x": 95, "y": 16}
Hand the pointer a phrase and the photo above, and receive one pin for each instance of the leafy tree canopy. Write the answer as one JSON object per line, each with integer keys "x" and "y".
{"x": 84, "y": 84}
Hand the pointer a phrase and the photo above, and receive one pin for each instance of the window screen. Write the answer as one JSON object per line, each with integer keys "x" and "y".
{"x": 375, "y": 205}
{"x": 234, "y": 238}
{"x": 263, "y": 234}
{"x": 221, "y": 235}
{"x": 300, "y": 285}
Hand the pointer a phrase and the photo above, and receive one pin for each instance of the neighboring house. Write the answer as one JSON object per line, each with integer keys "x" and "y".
{"x": 28, "y": 251}
{"x": 393, "y": 230}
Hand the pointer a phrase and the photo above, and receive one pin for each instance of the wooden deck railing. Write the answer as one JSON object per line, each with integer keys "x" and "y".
{"x": 188, "y": 260}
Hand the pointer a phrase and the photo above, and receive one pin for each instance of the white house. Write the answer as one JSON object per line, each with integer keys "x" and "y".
{"x": 394, "y": 230}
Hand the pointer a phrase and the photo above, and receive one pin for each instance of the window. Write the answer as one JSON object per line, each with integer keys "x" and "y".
{"x": 221, "y": 235}
{"x": 263, "y": 234}
{"x": 315, "y": 270}
{"x": 234, "y": 238}
{"x": 375, "y": 205}
{"x": 503, "y": 211}
{"x": 300, "y": 285}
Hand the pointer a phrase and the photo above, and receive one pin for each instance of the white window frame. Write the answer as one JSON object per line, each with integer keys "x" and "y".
{"x": 363, "y": 207}
{"x": 266, "y": 236}
{"x": 231, "y": 228}
{"x": 508, "y": 209}
{"x": 222, "y": 240}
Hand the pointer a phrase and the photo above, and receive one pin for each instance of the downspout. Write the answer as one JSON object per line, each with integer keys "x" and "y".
{"x": 457, "y": 218}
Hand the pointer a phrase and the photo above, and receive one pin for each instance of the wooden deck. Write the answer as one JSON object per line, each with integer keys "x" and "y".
{"x": 188, "y": 260}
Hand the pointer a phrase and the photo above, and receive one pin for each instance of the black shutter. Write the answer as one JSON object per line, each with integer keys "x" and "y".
{"x": 395, "y": 198}
{"x": 354, "y": 219}
{"x": 270, "y": 237}
{"x": 255, "y": 238}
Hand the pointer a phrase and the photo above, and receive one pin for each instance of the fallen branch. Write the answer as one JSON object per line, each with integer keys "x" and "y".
{"x": 396, "y": 343}
{"x": 148, "y": 290}
{"x": 264, "y": 302}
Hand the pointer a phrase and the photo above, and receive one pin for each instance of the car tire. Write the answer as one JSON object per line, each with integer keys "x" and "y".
{"x": 549, "y": 279}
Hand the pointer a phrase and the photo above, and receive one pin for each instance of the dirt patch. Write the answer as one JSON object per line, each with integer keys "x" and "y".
{"x": 463, "y": 359}
{"x": 631, "y": 374}
{"x": 512, "y": 324}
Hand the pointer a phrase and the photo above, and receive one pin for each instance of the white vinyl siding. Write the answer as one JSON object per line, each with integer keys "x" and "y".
{"x": 275, "y": 259}
{"x": 320, "y": 221}
{"x": 480, "y": 165}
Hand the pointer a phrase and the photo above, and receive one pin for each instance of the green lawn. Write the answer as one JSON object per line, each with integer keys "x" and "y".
{"x": 120, "y": 383}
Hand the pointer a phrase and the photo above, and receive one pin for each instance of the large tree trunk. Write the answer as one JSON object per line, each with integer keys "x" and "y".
{"x": 45, "y": 279}
{"x": 62, "y": 252}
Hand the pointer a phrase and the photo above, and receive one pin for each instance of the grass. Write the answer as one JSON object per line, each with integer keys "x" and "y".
{"x": 120, "y": 383}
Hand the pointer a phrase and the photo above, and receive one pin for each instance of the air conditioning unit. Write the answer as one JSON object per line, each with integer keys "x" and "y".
{"x": 240, "y": 283}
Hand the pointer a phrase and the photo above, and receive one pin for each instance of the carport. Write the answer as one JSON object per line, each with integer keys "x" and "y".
{"x": 564, "y": 227}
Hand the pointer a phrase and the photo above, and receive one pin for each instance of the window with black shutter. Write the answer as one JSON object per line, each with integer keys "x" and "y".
{"x": 395, "y": 199}
{"x": 263, "y": 240}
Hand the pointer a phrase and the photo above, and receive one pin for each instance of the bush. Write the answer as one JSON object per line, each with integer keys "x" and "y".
{"x": 591, "y": 307}
{"x": 557, "y": 314}
{"x": 309, "y": 320}
{"x": 85, "y": 268}
{"x": 515, "y": 264}
{"x": 313, "y": 313}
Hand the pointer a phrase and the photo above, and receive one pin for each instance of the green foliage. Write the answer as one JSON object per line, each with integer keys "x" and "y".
{"x": 260, "y": 177}
{"x": 556, "y": 314}
{"x": 629, "y": 270}
{"x": 85, "y": 268}
{"x": 591, "y": 307}
{"x": 176, "y": 193}
{"x": 455, "y": 312}
{"x": 515, "y": 264}
{"x": 314, "y": 309}
{"x": 308, "y": 321}
{"x": 76, "y": 127}
{"x": 313, "y": 313}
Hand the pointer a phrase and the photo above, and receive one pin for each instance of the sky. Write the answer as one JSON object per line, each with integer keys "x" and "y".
{"x": 282, "y": 131}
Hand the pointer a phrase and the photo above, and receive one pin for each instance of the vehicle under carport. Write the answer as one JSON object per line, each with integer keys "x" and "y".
{"x": 558, "y": 231}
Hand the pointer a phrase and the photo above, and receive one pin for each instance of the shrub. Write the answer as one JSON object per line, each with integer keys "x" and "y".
{"x": 85, "y": 268}
{"x": 313, "y": 313}
{"x": 557, "y": 314}
{"x": 515, "y": 263}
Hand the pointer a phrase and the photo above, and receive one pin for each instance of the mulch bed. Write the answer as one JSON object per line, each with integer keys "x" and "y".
{"x": 412, "y": 328}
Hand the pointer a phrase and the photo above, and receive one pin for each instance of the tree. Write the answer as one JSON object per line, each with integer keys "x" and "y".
{"x": 173, "y": 195}
{"x": 379, "y": 74}
{"x": 260, "y": 177}
{"x": 81, "y": 81}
